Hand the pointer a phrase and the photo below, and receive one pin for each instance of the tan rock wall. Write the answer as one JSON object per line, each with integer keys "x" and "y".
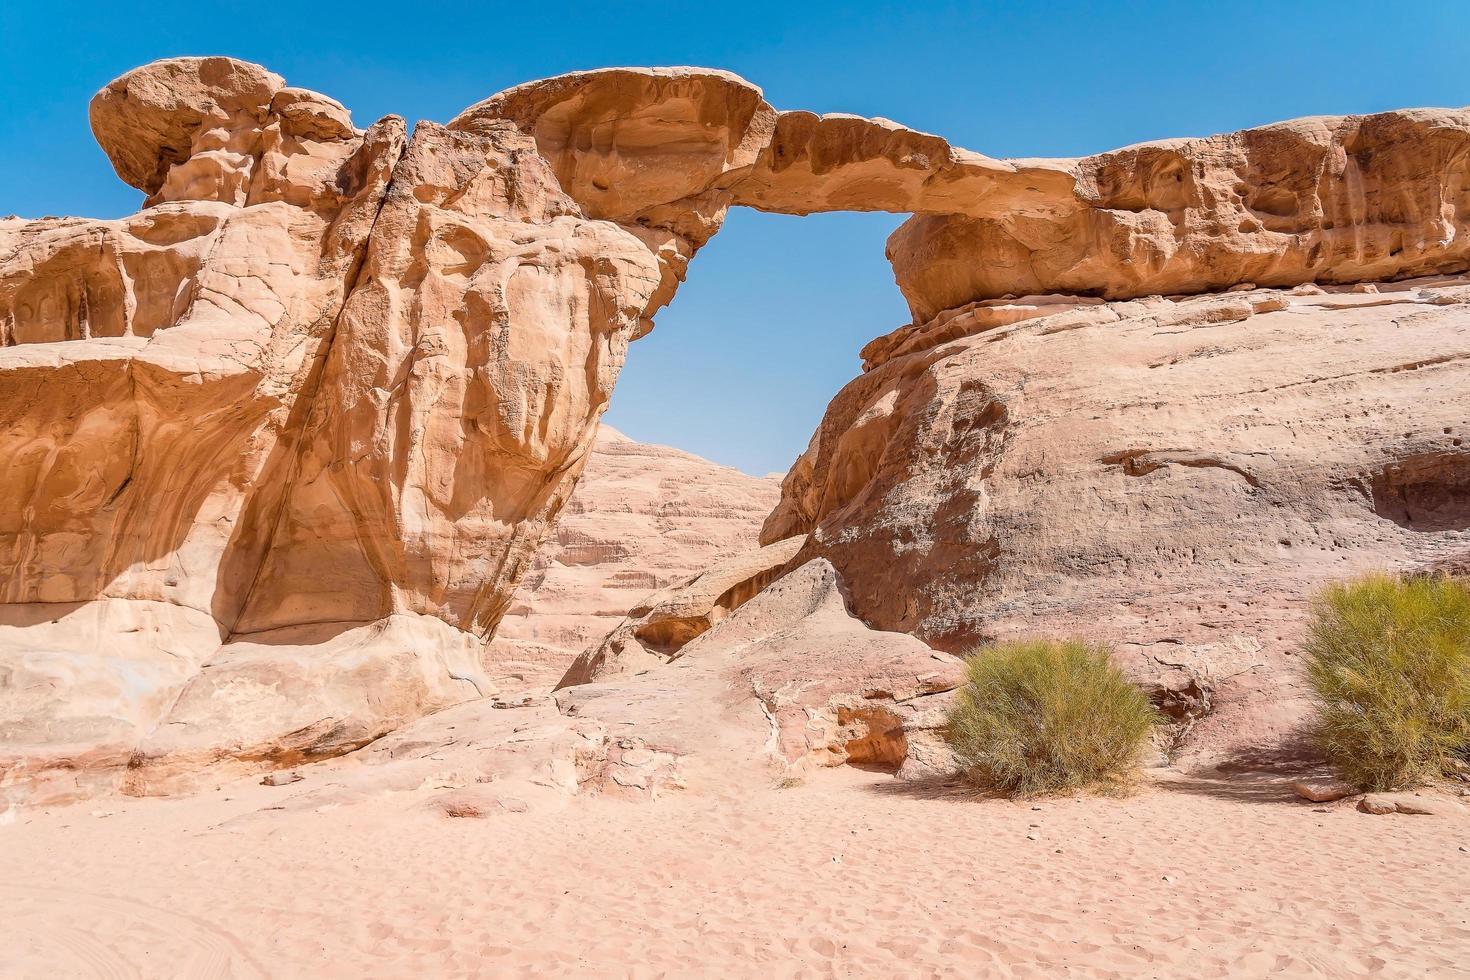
{"x": 642, "y": 518}
{"x": 1175, "y": 478}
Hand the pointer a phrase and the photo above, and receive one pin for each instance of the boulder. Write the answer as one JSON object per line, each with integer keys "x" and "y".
{"x": 657, "y": 628}
{"x": 1174, "y": 477}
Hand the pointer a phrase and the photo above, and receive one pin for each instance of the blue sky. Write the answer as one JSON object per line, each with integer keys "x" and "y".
{"x": 769, "y": 324}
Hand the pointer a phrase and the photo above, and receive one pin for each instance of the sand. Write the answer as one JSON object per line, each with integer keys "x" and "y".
{"x": 849, "y": 874}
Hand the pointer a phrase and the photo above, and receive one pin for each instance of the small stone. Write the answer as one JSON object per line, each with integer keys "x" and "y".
{"x": 1322, "y": 789}
{"x": 1032, "y": 837}
{"x": 462, "y": 806}
{"x": 281, "y": 778}
{"x": 1365, "y": 287}
{"x": 1374, "y": 803}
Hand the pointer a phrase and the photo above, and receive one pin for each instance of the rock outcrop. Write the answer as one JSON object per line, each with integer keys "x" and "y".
{"x": 1174, "y": 477}
{"x": 787, "y": 684}
{"x": 157, "y": 371}
{"x": 1331, "y": 199}
{"x": 642, "y": 518}
{"x": 658, "y": 628}
{"x": 282, "y": 445}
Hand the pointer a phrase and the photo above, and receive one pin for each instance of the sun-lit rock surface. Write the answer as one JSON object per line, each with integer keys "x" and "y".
{"x": 789, "y": 682}
{"x": 658, "y": 627}
{"x": 282, "y": 445}
{"x": 1173, "y": 477}
{"x": 153, "y": 383}
{"x": 643, "y": 517}
{"x": 1331, "y": 199}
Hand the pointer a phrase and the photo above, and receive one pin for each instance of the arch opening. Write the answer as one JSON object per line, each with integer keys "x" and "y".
{"x": 767, "y": 328}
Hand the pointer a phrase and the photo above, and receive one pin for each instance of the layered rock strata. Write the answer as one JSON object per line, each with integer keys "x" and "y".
{"x": 642, "y": 518}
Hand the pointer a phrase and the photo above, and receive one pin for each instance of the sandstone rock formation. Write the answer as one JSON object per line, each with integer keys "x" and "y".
{"x": 788, "y": 683}
{"x": 283, "y": 443}
{"x": 657, "y": 629}
{"x": 157, "y": 370}
{"x": 1176, "y": 477}
{"x": 1327, "y": 199}
{"x": 642, "y": 518}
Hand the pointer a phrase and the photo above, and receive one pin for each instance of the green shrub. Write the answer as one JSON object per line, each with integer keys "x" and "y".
{"x": 1389, "y": 663}
{"x": 1042, "y": 716}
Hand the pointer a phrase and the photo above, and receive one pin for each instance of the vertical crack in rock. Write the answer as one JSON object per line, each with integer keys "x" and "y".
{"x": 313, "y": 386}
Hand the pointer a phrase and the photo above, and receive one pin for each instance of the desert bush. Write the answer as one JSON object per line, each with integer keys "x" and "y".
{"x": 1389, "y": 663}
{"x": 1043, "y": 716}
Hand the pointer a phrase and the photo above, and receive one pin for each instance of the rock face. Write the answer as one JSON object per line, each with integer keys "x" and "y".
{"x": 1327, "y": 199}
{"x": 282, "y": 444}
{"x": 1174, "y": 477}
{"x": 788, "y": 683}
{"x": 658, "y": 628}
{"x": 642, "y": 518}
{"x": 156, "y": 374}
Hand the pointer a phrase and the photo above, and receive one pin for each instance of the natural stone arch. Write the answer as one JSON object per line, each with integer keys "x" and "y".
{"x": 380, "y": 371}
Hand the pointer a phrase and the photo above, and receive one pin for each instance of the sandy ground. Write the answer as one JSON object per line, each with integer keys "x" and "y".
{"x": 850, "y": 874}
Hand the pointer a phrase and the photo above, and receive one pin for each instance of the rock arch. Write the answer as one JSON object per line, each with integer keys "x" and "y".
{"x": 354, "y": 375}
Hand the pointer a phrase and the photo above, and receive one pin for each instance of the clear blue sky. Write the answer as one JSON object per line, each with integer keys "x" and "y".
{"x": 769, "y": 324}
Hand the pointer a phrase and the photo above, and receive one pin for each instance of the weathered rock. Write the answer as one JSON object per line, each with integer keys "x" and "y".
{"x": 321, "y": 407}
{"x": 1329, "y": 199}
{"x": 642, "y": 518}
{"x": 839, "y": 162}
{"x": 282, "y": 444}
{"x": 1176, "y": 478}
{"x": 835, "y": 690}
{"x": 162, "y": 116}
{"x": 1411, "y": 803}
{"x": 156, "y": 370}
{"x": 1322, "y": 789}
{"x": 657, "y": 628}
{"x": 303, "y": 693}
{"x": 787, "y": 682}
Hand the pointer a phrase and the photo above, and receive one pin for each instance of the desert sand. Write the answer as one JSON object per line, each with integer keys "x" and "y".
{"x": 850, "y": 874}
